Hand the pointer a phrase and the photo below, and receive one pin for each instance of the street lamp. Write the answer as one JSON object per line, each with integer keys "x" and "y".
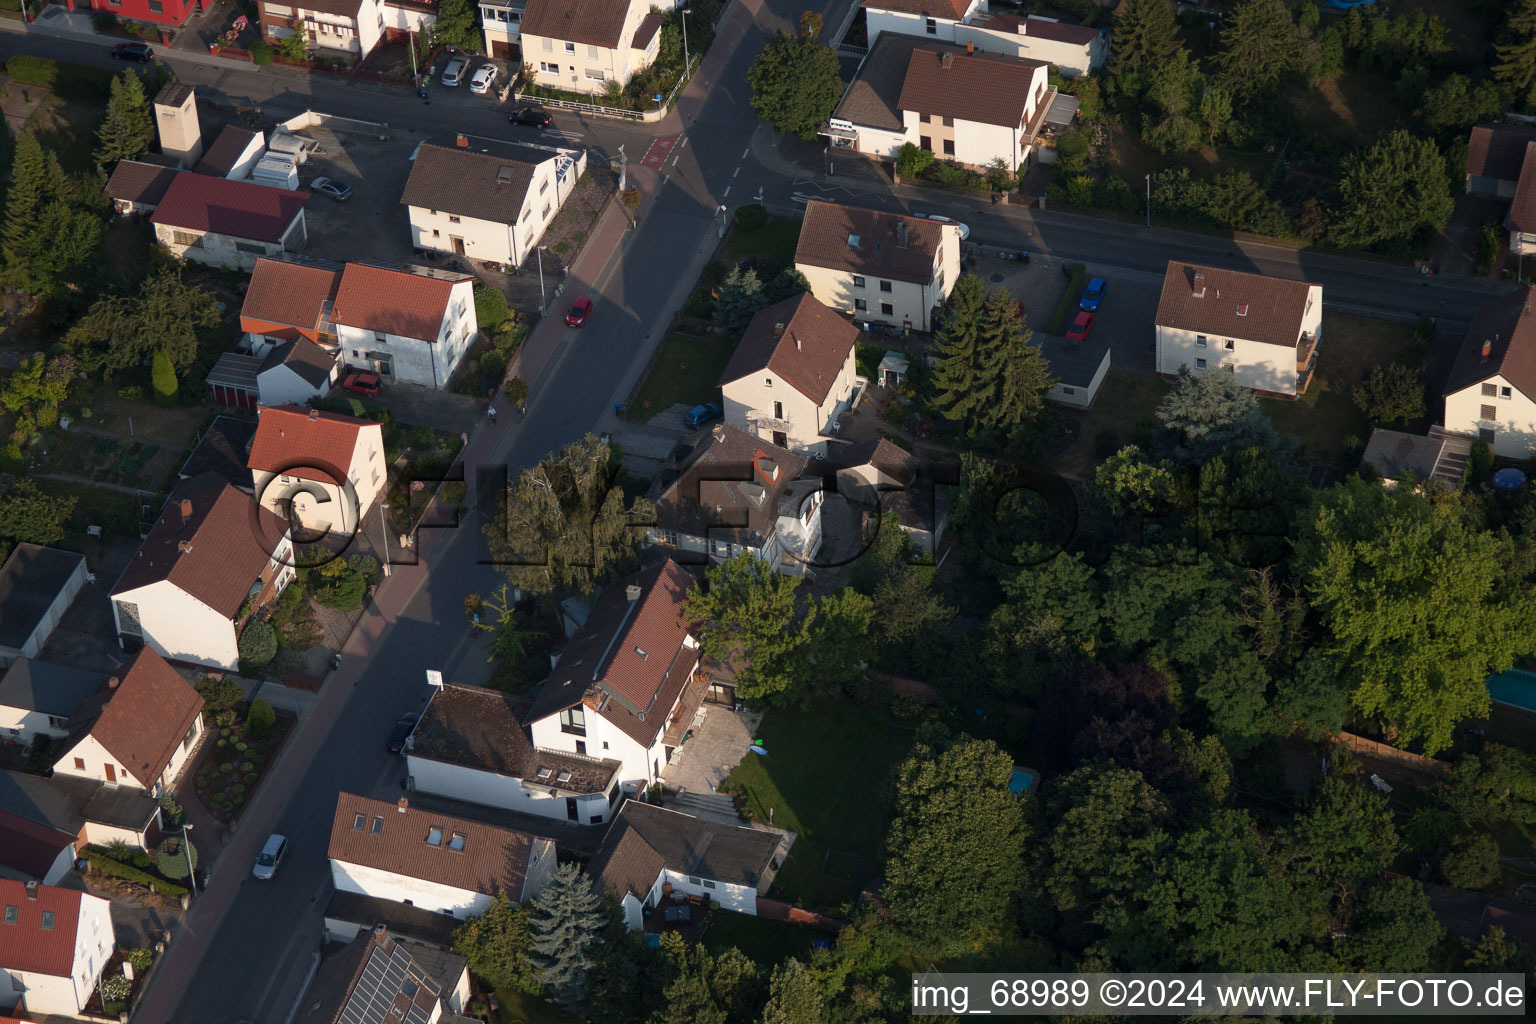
{"x": 541, "y": 280}
{"x": 683, "y": 17}
{"x": 1149, "y": 200}
{"x": 384, "y": 535}
{"x": 186, "y": 848}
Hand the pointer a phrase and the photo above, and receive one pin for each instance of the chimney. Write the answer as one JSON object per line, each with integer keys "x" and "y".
{"x": 186, "y": 510}
{"x": 462, "y": 140}
{"x": 1487, "y": 349}
{"x": 797, "y": 340}
{"x": 31, "y": 890}
{"x": 314, "y": 414}
{"x": 947, "y": 59}
{"x": 113, "y": 682}
{"x": 378, "y": 930}
{"x": 402, "y": 804}
{"x": 778, "y": 328}
{"x": 970, "y": 49}
{"x": 632, "y": 592}
{"x": 1199, "y": 289}
{"x": 184, "y": 546}
{"x": 901, "y": 234}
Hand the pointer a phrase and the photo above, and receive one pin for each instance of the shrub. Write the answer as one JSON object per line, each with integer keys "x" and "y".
{"x": 241, "y": 746}
{"x": 33, "y": 70}
{"x": 907, "y": 707}
{"x": 171, "y": 813}
{"x": 367, "y": 565}
{"x": 219, "y": 695}
{"x": 700, "y": 304}
{"x": 912, "y": 160}
{"x": 516, "y": 390}
{"x": 1488, "y": 245}
{"x": 171, "y": 860}
{"x": 99, "y": 861}
{"x": 142, "y": 959}
{"x": 750, "y": 217}
{"x": 346, "y": 594}
{"x": 261, "y": 53}
{"x": 999, "y": 177}
{"x": 259, "y": 722}
{"x": 490, "y": 307}
{"x": 115, "y": 988}
{"x": 162, "y": 377}
{"x": 1068, "y": 300}
{"x": 1472, "y": 863}
{"x": 493, "y": 364}
{"x": 10, "y": 458}
{"x": 258, "y": 643}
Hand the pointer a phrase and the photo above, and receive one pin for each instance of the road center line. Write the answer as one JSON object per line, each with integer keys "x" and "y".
{"x": 734, "y": 173}
{"x": 746, "y": 152}
{"x": 726, "y": 192}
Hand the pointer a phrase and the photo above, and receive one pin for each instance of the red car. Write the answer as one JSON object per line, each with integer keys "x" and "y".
{"x": 362, "y": 384}
{"x": 1081, "y": 327}
{"x": 580, "y": 310}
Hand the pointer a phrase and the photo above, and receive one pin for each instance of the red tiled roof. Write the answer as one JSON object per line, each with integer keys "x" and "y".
{"x": 982, "y": 88}
{"x": 239, "y": 209}
{"x": 305, "y": 443}
{"x": 147, "y": 716}
{"x": 26, "y": 945}
{"x": 288, "y": 293}
{"x": 1272, "y": 308}
{"x": 799, "y": 339}
{"x": 394, "y": 301}
{"x": 229, "y": 540}
{"x": 1498, "y": 150}
{"x": 29, "y": 846}
{"x": 492, "y": 858}
{"x": 953, "y": 9}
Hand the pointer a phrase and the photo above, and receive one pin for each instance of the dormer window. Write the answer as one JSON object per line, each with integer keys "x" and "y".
{"x": 11, "y": 914}
{"x": 435, "y": 835}
{"x": 1242, "y": 310}
{"x": 47, "y": 920}
{"x": 378, "y": 826}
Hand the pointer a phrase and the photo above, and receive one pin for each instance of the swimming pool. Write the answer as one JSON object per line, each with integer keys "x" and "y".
{"x": 1517, "y": 688}
{"x": 1023, "y": 780}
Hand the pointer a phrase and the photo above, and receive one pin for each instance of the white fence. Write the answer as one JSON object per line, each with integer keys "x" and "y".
{"x": 315, "y": 119}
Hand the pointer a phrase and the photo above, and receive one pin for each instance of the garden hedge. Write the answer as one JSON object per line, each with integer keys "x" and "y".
{"x": 100, "y": 861}
{"x": 66, "y": 77}
{"x": 1068, "y": 300}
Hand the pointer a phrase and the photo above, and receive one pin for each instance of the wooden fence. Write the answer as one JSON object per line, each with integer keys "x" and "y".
{"x": 1404, "y": 759}
{"x": 778, "y": 910}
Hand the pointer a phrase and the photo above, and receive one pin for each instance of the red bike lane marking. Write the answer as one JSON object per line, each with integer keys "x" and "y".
{"x": 658, "y": 152}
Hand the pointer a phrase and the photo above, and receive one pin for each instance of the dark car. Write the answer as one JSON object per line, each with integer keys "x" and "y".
{"x": 398, "y": 734}
{"x": 532, "y": 117}
{"x": 1081, "y": 327}
{"x": 580, "y": 310}
{"x": 133, "y": 51}
{"x": 362, "y": 384}
{"x": 702, "y": 414}
{"x": 1093, "y": 295}
{"x": 333, "y": 187}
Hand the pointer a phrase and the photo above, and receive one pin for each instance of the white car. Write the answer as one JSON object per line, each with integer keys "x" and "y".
{"x": 483, "y": 80}
{"x": 965, "y": 232}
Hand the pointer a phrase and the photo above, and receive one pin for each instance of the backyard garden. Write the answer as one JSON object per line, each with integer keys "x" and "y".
{"x": 239, "y": 748}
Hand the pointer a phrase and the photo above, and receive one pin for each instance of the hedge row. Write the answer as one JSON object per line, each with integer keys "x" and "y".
{"x": 1068, "y": 300}
{"x": 65, "y": 77}
{"x": 102, "y": 862}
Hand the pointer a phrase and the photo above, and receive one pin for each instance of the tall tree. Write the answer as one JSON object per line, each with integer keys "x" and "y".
{"x": 1346, "y": 834}
{"x": 1172, "y": 91}
{"x": 741, "y": 296}
{"x": 1206, "y": 414}
{"x": 1214, "y": 113}
{"x": 1260, "y": 45}
{"x": 989, "y": 377}
{"x": 30, "y": 190}
{"x": 566, "y": 923}
{"x": 162, "y": 376}
{"x": 27, "y": 514}
{"x": 750, "y": 617}
{"x": 795, "y": 84}
{"x": 1393, "y": 191}
{"x": 955, "y": 851}
{"x": 1456, "y": 102}
{"x": 457, "y": 25}
{"x": 168, "y": 313}
{"x": 1146, "y": 37}
{"x": 1395, "y": 929}
{"x": 794, "y": 996}
{"x": 1392, "y": 391}
{"x": 497, "y": 944}
{"x": 1517, "y": 56}
{"x": 128, "y": 130}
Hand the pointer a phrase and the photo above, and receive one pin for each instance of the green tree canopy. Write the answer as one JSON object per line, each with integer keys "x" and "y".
{"x": 128, "y": 129}
{"x": 1516, "y": 64}
{"x": 1260, "y": 45}
{"x": 30, "y": 516}
{"x": 1346, "y": 833}
{"x": 498, "y": 944}
{"x": 168, "y": 313}
{"x": 566, "y": 925}
{"x": 741, "y": 296}
{"x": 1395, "y": 929}
{"x": 1145, "y": 38}
{"x": 458, "y": 25}
{"x": 989, "y": 377}
{"x": 795, "y": 84}
{"x": 794, "y": 996}
{"x": 751, "y": 618}
{"x": 1393, "y": 191}
{"x": 1392, "y": 391}
{"x": 1207, "y": 413}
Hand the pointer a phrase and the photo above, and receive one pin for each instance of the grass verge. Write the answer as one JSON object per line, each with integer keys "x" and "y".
{"x": 776, "y": 240}
{"x": 686, "y": 372}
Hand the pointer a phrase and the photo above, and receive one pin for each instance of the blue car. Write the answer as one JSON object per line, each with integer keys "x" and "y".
{"x": 1093, "y": 295}
{"x": 702, "y": 414}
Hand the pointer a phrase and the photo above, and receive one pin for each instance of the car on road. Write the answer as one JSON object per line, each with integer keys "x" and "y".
{"x": 453, "y": 71}
{"x": 1082, "y": 326}
{"x": 483, "y": 80}
{"x": 133, "y": 51}
{"x": 699, "y": 415}
{"x": 270, "y": 857}
{"x": 580, "y": 310}
{"x": 965, "y": 231}
{"x": 1093, "y": 295}
{"x": 333, "y": 187}
{"x": 362, "y": 384}
{"x": 399, "y": 734}
{"x": 531, "y": 117}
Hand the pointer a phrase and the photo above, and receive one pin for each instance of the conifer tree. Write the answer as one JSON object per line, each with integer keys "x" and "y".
{"x": 163, "y": 377}
{"x": 1145, "y": 38}
{"x": 567, "y": 923}
{"x": 29, "y": 193}
{"x": 989, "y": 375}
{"x": 1517, "y": 58}
{"x": 128, "y": 130}
{"x": 741, "y": 296}
{"x": 958, "y": 350}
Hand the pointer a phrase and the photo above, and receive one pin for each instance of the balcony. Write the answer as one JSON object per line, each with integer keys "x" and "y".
{"x": 1306, "y": 351}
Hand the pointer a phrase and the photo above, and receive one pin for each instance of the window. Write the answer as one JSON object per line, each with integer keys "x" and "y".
{"x": 570, "y": 47}
{"x": 949, "y": 147}
{"x": 924, "y": 142}
{"x": 1069, "y": 391}
{"x": 778, "y": 410}
{"x": 80, "y": 764}
{"x": 435, "y": 835}
{"x": 1199, "y": 364}
{"x": 605, "y": 744}
{"x": 47, "y": 920}
{"x": 543, "y": 186}
{"x": 1229, "y": 345}
{"x": 886, "y": 309}
{"x": 453, "y": 218}
{"x": 545, "y": 214}
{"x": 357, "y": 822}
{"x": 1489, "y": 390}
{"x": 932, "y": 27}
{"x": 573, "y": 721}
{"x": 695, "y": 880}
{"x": 885, "y": 286}
{"x": 156, "y": 7}
{"x": 378, "y": 826}
{"x": 596, "y": 819}
{"x": 708, "y": 884}
{"x": 594, "y": 75}
{"x": 1485, "y": 435}
{"x": 581, "y": 747}
{"x": 1199, "y": 341}
{"x": 381, "y": 22}
{"x": 591, "y": 52}
{"x": 949, "y": 122}
{"x": 11, "y": 914}
{"x": 380, "y": 337}
{"x": 1229, "y": 367}
{"x": 57, "y": 722}
{"x": 858, "y": 282}
{"x": 185, "y": 238}
{"x": 546, "y": 67}
{"x": 1504, "y": 392}
{"x": 860, "y": 306}
{"x": 1490, "y": 412}
{"x": 767, "y": 382}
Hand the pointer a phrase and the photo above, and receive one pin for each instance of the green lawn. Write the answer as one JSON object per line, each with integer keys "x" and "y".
{"x": 68, "y": 127}
{"x": 115, "y": 512}
{"x": 776, "y": 240}
{"x": 686, "y": 372}
{"x": 764, "y": 941}
{"x": 824, "y": 779}
{"x": 1125, "y": 401}
{"x": 1357, "y": 104}
{"x": 517, "y": 1008}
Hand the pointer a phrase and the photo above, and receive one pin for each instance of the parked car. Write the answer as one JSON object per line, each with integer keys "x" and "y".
{"x": 270, "y": 857}
{"x": 133, "y": 51}
{"x": 1093, "y": 294}
{"x": 702, "y": 414}
{"x": 532, "y": 117}
{"x": 398, "y": 735}
{"x": 453, "y": 71}
{"x": 580, "y": 310}
{"x": 333, "y": 187}
{"x": 1082, "y": 326}
{"x": 362, "y": 384}
{"x": 483, "y": 80}
{"x": 965, "y": 231}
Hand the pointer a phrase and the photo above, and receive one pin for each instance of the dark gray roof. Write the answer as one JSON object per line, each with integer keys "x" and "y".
{"x": 484, "y": 179}
{"x": 47, "y": 688}
{"x": 222, "y": 451}
{"x": 1395, "y": 454}
{"x": 30, "y": 582}
{"x": 442, "y": 965}
{"x": 401, "y": 919}
{"x": 67, "y": 803}
{"x": 693, "y": 846}
{"x": 873, "y": 97}
{"x": 235, "y": 369}
{"x": 304, "y": 358}
{"x": 732, "y": 470}
{"x": 220, "y": 157}
{"x": 1073, "y": 363}
{"x": 374, "y": 979}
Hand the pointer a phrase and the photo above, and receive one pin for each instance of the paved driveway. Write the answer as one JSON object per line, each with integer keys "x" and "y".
{"x": 372, "y": 223}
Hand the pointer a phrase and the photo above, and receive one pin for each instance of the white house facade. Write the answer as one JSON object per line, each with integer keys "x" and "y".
{"x": 321, "y": 471}
{"x": 501, "y": 21}
{"x": 931, "y": 19}
{"x": 64, "y": 941}
{"x": 583, "y": 45}
{"x": 1490, "y": 394}
{"x": 410, "y": 325}
{"x": 222, "y": 223}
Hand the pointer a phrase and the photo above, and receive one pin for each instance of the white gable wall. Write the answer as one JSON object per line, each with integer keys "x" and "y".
{"x": 1513, "y": 423}
{"x": 425, "y": 895}
{"x": 281, "y": 386}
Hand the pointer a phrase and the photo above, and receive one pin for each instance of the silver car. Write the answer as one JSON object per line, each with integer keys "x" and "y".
{"x": 453, "y": 72}
{"x": 269, "y": 858}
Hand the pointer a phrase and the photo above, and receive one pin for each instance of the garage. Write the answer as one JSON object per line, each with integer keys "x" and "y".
{"x": 504, "y": 50}
{"x": 232, "y": 381}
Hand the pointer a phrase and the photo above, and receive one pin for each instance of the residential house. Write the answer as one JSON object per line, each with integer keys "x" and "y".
{"x": 502, "y": 23}
{"x": 159, "y": 12}
{"x": 295, "y": 372}
{"x": 930, "y": 19}
{"x": 878, "y": 267}
{"x": 436, "y": 862}
{"x": 54, "y": 944}
{"x": 1501, "y": 164}
{"x": 651, "y": 853}
{"x": 347, "y": 28}
{"x": 33, "y": 852}
{"x": 138, "y": 186}
{"x": 213, "y": 558}
{"x": 1079, "y": 367}
{"x": 1491, "y": 392}
{"x": 882, "y": 478}
{"x": 233, "y": 154}
{"x": 1265, "y": 331}
{"x": 957, "y": 102}
{"x": 37, "y": 586}
{"x": 378, "y": 978}
{"x": 222, "y": 451}
{"x": 1072, "y": 49}
{"x": 286, "y": 300}
{"x": 730, "y": 492}
{"x": 408, "y": 324}
{"x": 792, "y": 375}
{"x": 485, "y": 199}
{"x": 88, "y": 809}
{"x": 1438, "y": 457}
{"x": 38, "y": 698}
{"x": 224, "y": 223}
{"x": 583, "y": 45}
{"x": 471, "y": 745}
{"x": 321, "y": 471}
{"x": 139, "y": 732}
{"x": 626, "y": 686}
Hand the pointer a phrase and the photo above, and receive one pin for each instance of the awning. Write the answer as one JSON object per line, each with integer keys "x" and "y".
{"x": 1063, "y": 109}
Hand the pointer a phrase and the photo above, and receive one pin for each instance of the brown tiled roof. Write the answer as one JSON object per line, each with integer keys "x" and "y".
{"x": 485, "y": 179}
{"x": 862, "y": 241}
{"x": 239, "y": 209}
{"x": 295, "y": 294}
{"x": 304, "y": 358}
{"x": 306, "y": 443}
{"x": 733, "y": 470}
{"x": 483, "y": 729}
{"x": 628, "y": 659}
{"x": 1522, "y": 209}
{"x": 1060, "y": 31}
{"x": 984, "y": 88}
{"x": 136, "y": 182}
{"x": 800, "y": 340}
{"x": 625, "y": 861}
{"x": 886, "y": 457}
{"x": 230, "y": 539}
{"x": 952, "y": 9}
{"x": 28, "y": 947}
{"x": 395, "y": 301}
{"x": 1498, "y": 150}
{"x": 871, "y": 98}
{"x": 1273, "y": 306}
{"x": 1509, "y": 326}
{"x": 225, "y": 151}
{"x": 340, "y": 8}
{"x": 491, "y": 859}
{"x": 146, "y": 717}
{"x": 647, "y": 29}
{"x": 999, "y": 21}
{"x": 682, "y": 843}
{"x": 597, "y": 22}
